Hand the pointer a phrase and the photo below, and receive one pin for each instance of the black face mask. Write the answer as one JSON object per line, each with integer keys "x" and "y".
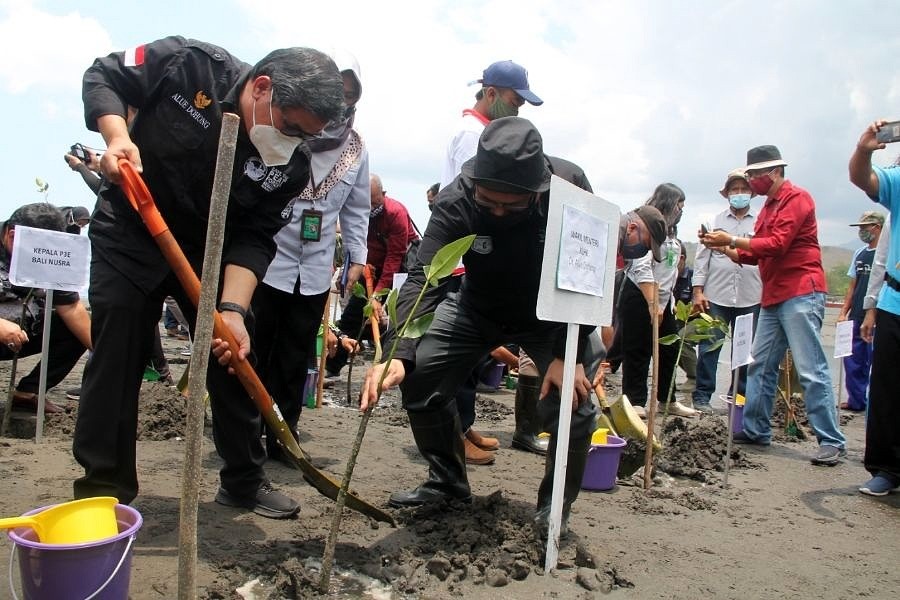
{"x": 494, "y": 224}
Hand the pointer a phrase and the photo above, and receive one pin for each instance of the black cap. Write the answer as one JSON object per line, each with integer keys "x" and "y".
{"x": 510, "y": 158}
{"x": 656, "y": 225}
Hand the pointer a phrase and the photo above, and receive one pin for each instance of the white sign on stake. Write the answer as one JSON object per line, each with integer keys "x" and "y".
{"x": 573, "y": 307}
{"x": 742, "y": 341}
{"x": 843, "y": 339}
{"x": 52, "y": 260}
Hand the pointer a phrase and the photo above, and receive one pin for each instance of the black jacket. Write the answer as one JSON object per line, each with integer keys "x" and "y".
{"x": 181, "y": 89}
{"x": 503, "y": 267}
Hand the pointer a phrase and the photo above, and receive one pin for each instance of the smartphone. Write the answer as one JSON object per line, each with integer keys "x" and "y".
{"x": 888, "y": 133}
{"x": 703, "y": 229}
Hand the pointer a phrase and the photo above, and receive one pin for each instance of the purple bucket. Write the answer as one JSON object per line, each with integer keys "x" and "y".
{"x": 101, "y": 569}
{"x": 492, "y": 375}
{"x": 603, "y": 464}
{"x": 737, "y": 423}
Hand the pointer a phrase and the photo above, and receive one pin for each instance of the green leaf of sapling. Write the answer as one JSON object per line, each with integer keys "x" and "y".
{"x": 418, "y": 327}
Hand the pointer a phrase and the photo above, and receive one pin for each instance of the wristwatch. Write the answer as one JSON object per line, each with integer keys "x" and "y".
{"x": 733, "y": 243}
{"x": 233, "y": 307}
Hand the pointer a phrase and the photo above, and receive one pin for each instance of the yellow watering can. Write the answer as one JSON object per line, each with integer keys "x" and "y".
{"x": 76, "y": 522}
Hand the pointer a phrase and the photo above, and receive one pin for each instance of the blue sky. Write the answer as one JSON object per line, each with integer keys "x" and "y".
{"x": 637, "y": 93}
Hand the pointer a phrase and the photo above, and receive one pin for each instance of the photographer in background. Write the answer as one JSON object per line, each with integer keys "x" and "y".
{"x": 86, "y": 162}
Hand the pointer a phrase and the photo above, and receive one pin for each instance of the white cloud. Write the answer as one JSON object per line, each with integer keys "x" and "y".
{"x": 45, "y": 50}
{"x": 636, "y": 93}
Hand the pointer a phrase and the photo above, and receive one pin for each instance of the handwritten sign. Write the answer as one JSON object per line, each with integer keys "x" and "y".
{"x": 742, "y": 341}
{"x": 843, "y": 339}
{"x": 51, "y": 260}
{"x": 582, "y": 252}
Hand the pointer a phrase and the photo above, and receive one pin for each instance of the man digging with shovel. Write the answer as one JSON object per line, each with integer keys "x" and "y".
{"x": 181, "y": 88}
{"x": 502, "y": 197}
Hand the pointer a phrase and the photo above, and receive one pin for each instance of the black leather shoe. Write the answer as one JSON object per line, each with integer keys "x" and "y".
{"x": 422, "y": 495}
{"x": 530, "y": 443}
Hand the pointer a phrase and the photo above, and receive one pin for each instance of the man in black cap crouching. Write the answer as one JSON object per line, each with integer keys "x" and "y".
{"x": 502, "y": 197}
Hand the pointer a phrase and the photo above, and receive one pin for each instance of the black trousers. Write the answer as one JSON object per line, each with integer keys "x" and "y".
{"x": 123, "y": 321}
{"x": 883, "y": 419}
{"x": 636, "y": 344}
{"x": 458, "y": 339}
{"x": 62, "y": 354}
{"x": 285, "y": 341}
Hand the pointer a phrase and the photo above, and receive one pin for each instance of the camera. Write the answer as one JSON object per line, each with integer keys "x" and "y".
{"x": 79, "y": 152}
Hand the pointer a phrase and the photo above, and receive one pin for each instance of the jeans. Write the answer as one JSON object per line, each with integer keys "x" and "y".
{"x": 794, "y": 323}
{"x": 707, "y": 361}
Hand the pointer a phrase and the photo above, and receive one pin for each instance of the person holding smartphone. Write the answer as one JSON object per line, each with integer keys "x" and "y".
{"x": 882, "y": 454}
{"x": 785, "y": 246}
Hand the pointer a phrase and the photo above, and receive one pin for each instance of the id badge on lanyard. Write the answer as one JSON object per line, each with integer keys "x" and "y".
{"x": 311, "y": 225}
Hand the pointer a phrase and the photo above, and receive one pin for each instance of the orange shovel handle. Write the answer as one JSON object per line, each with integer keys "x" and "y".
{"x": 140, "y": 198}
{"x": 369, "y": 276}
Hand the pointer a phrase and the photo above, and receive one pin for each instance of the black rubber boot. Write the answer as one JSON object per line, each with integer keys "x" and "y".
{"x": 439, "y": 438}
{"x": 578, "y": 450}
{"x": 528, "y": 426}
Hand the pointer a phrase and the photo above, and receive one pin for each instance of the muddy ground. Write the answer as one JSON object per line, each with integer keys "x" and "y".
{"x": 781, "y": 528}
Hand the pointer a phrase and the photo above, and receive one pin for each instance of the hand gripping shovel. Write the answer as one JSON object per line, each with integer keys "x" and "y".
{"x": 142, "y": 201}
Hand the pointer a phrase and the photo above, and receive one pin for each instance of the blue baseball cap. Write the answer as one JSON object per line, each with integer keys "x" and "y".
{"x": 507, "y": 74}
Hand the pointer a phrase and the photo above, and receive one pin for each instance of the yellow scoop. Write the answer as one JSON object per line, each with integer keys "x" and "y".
{"x": 76, "y": 522}
{"x": 599, "y": 436}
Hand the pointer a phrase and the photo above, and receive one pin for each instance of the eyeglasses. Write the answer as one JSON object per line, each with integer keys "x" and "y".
{"x": 755, "y": 174}
{"x": 297, "y": 131}
{"x": 483, "y": 202}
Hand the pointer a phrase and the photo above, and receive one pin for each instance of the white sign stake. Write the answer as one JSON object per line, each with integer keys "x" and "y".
{"x": 577, "y": 278}
{"x": 52, "y": 260}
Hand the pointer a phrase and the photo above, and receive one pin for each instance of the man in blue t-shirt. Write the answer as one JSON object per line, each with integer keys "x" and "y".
{"x": 882, "y": 455}
{"x": 859, "y": 363}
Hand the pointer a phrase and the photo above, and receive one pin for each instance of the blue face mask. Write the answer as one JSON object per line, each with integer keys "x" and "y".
{"x": 739, "y": 201}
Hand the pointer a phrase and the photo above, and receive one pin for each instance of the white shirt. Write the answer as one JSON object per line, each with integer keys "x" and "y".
{"x": 462, "y": 147}
{"x": 347, "y": 199}
{"x": 724, "y": 282}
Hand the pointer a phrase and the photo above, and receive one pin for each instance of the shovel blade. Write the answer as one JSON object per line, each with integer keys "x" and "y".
{"x": 627, "y": 422}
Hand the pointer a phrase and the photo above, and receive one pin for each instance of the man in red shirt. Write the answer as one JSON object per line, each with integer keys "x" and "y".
{"x": 390, "y": 233}
{"x": 785, "y": 246}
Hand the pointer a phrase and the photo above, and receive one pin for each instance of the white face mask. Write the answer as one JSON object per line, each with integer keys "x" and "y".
{"x": 275, "y": 148}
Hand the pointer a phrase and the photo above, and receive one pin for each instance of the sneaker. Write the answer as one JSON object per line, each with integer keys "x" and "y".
{"x": 880, "y": 485}
{"x": 742, "y": 438}
{"x": 828, "y": 455}
{"x": 709, "y": 409}
{"x": 185, "y": 350}
{"x": 268, "y": 502}
{"x": 74, "y": 394}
